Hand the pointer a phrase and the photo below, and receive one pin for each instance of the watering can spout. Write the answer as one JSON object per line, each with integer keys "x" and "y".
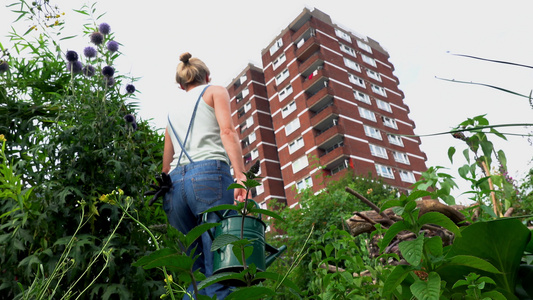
{"x": 274, "y": 253}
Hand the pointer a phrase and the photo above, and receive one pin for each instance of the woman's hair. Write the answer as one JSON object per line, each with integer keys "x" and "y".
{"x": 191, "y": 71}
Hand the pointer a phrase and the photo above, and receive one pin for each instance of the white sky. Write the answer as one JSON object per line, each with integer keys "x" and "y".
{"x": 418, "y": 35}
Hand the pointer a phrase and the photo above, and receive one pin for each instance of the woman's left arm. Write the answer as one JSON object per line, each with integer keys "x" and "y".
{"x": 228, "y": 134}
{"x": 168, "y": 153}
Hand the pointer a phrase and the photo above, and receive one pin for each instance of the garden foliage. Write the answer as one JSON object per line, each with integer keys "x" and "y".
{"x": 70, "y": 137}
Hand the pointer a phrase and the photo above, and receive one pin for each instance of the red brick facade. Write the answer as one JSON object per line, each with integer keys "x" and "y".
{"x": 325, "y": 102}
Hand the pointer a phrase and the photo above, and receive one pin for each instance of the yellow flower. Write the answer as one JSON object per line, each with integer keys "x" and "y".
{"x": 169, "y": 278}
{"x": 104, "y": 198}
{"x": 120, "y": 192}
{"x": 369, "y": 191}
{"x": 2, "y": 138}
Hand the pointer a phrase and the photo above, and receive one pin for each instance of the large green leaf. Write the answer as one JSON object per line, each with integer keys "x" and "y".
{"x": 221, "y": 277}
{"x": 392, "y": 232}
{"x": 412, "y": 250}
{"x": 499, "y": 242}
{"x": 223, "y": 240}
{"x": 427, "y": 290}
{"x": 267, "y": 213}
{"x": 165, "y": 257}
{"x": 439, "y": 219}
{"x": 197, "y": 231}
{"x": 472, "y": 262}
{"x": 395, "y": 278}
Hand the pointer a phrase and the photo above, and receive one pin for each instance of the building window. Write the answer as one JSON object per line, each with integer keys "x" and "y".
{"x": 296, "y": 144}
{"x": 379, "y": 90}
{"x": 247, "y": 141}
{"x": 383, "y": 105}
{"x": 278, "y": 61}
{"x": 282, "y": 76}
{"x": 288, "y": 109}
{"x": 384, "y": 171}
{"x": 259, "y": 190}
{"x": 245, "y": 92}
{"x": 378, "y": 151}
{"x": 243, "y": 79}
{"x": 292, "y": 126}
{"x": 352, "y": 64}
{"x": 395, "y": 140}
{"x": 247, "y": 124}
{"x": 254, "y": 154}
{"x": 343, "y": 35}
{"x": 347, "y": 49}
{"x": 364, "y": 46}
{"x": 367, "y": 114}
{"x": 356, "y": 80}
{"x": 299, "y": 164}
{"x": 372, "y": 132}
{"x": 276, "y": 46}
{"x": 252, "y": 137}
{"x": 285, "y": 92}
{"x": 401, "y": 157}
{"x": 389, "y": 122}
{"x": 304, "y": 183}
{"x": 369, "y": 60}
{"x": 373, "y": 74}
{"x": 407, "y": 176}
{"x": 242, "y": 95}
{"x": 362, "y": 97}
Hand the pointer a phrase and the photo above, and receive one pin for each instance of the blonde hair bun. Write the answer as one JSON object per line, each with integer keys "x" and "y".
{"x": 185, "y": 57}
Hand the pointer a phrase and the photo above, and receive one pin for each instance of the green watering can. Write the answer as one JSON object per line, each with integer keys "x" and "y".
{"x": 254, "y": 230}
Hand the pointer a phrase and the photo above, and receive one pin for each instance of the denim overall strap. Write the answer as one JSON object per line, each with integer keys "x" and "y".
{"x": 182, "y": 145}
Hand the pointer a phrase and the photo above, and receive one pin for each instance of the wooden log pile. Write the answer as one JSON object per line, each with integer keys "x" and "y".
{"x": 365, "y": 221}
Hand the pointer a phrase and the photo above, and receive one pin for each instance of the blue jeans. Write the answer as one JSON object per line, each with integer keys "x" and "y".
{"x": 197, "y": 187}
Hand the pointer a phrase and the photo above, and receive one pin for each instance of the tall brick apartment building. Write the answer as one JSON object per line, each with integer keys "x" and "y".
{"x": 325, "y": 102}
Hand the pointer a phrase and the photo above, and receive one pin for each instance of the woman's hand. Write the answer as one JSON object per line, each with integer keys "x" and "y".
{"x": 239, "y": 194}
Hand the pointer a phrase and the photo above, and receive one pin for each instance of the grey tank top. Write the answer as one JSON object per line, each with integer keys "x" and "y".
{"x": 204, "y": 142}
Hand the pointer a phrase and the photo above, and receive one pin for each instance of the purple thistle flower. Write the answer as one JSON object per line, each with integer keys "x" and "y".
{"x": 89, "y": 71}
{"x": 4, "y": 66}
{"x": 89, "y": 52}
{"x": 112, "y": 46}
{"x": 97, "y": 38}
{"x": 74, "y": 66}
{"x": 104, "y": 28}
{"x": 108, "y": 71}
{"x": 129, "y": 118}
{"x": 71, "y": 55}
{"x": 130, "y": 88}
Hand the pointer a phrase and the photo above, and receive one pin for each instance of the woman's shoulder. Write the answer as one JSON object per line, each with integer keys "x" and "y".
{"x": 215, "y": 89}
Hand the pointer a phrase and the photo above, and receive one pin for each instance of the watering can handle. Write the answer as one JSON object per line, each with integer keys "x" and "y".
{"x": 204, "y": 220}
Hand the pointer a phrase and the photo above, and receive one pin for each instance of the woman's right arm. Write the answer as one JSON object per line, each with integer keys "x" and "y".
{"x": 168, "y": 153}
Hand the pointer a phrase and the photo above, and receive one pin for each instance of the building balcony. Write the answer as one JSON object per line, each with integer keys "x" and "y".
{"x": 307, "y": 48}
{"x": 327, "y": 115}
{"x": 301, "y": 32}
{"x": 320, "y": 99}
{"x": 326, "y": 134}
{"x": 334, "y": 158}
{"x": 315, "y": 81}
{"x": 310, "y": 64}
